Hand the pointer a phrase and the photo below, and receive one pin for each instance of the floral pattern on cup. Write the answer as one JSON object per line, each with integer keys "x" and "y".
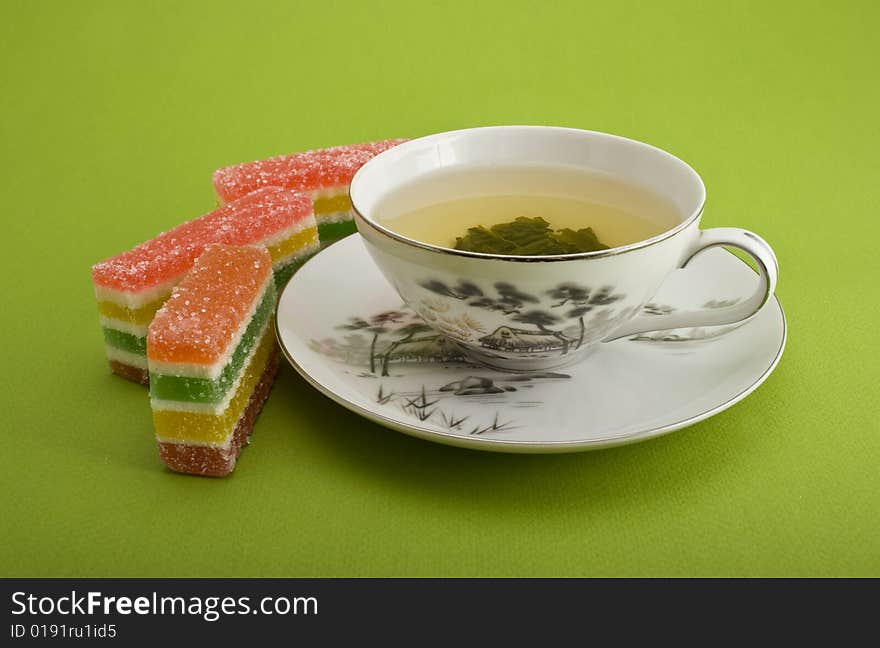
{"x": 554, "y": 321}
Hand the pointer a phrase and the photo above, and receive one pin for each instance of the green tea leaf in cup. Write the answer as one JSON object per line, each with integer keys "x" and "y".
{"x": 479, "y": 239}
{"x": 528, "y": 237}
{"x": 523, "y": 232}
{"x": 582, "y": 240}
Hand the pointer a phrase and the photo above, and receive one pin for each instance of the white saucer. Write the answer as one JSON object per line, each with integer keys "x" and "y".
{"x": 628, "y": 390}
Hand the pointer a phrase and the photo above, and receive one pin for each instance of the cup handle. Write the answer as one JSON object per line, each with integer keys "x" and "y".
{"x": 768, "y": 271}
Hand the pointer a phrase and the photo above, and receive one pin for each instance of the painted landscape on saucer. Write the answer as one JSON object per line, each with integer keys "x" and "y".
{"x": 408, "y": 366}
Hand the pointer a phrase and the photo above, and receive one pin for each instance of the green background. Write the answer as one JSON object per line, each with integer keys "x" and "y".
{"x": 115, "y": 114}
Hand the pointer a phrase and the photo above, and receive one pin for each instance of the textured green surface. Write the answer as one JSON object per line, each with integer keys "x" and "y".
{"x": 205, "y": 390}
{"x": 125, "y": 341}
{"x": 285, "y": 272}
{"x": 115, "y": 114}
{"x": 332, "y": 231}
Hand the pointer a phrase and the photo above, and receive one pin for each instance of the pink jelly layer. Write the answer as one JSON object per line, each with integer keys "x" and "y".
{"x": 206, "y": 310}
{"x": 307, "y": 171}
{"x": 252, "y": 219}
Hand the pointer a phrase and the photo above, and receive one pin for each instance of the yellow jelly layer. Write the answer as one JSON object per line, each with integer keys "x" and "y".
{"x": 290, "y": 245}
{"x": 333, "y": 204}
{"x": 142, "y": 315}
{"x": 172, "y": 425}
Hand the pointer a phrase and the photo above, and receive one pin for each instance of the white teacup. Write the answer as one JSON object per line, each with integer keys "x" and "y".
{"x": 445, "y": 285}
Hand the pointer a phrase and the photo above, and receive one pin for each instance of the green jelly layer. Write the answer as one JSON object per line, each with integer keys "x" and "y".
{"x": 205, "y": 390}
{"x": 125, "y": 341}
{"x": 329, "y": 232}
{"x": 285, "y": 272}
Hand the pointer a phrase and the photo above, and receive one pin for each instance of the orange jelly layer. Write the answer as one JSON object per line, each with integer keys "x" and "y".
{"x": 205, "y": 311}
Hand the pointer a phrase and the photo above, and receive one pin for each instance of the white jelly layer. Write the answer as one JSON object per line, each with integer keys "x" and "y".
{"x": 337, "y": 217}
{"x": 140, "y": 330}
{"x": 328, "y": 192}
{"x": 125, "y": 357}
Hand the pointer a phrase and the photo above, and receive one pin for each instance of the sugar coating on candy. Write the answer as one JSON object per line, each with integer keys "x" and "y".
{"x": 211, "y": 384}
{"x": 205, "y": 311}
{"x": 306, "y": 171}
{"x": 249, "y": 220}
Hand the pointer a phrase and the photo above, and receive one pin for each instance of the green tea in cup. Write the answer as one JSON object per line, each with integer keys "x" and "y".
{"x": 528, "y": 211}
